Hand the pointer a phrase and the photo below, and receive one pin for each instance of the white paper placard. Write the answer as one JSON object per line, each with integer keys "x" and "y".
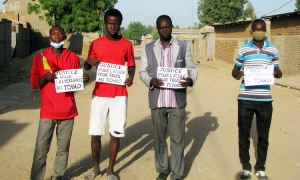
{"x": 69, "y": 80}
{"x": 111, "y": 73}
{"x": 258, "y": 75}
{"x": 171, "y": 76}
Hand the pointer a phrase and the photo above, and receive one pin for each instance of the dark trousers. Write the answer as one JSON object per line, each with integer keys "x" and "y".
{"x": 263, "y": 112}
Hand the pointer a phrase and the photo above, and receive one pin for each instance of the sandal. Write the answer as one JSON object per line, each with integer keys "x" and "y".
{"x": 112, "y": 177}
{"x": 91, "y": 175}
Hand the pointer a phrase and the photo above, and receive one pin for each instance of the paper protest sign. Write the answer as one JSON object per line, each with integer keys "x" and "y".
{"x": 111, "y": 73}
{"x": 258, "y": 75}
{"x": 69, "y": 80}
{"x": 171, "y": 76}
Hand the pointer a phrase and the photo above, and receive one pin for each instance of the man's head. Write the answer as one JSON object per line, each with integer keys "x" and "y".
{"x": 113, "y": 20}
{"x": 258, "y": 29}
{"x": 164, "y": 27}
{"x": 57, "y": 35}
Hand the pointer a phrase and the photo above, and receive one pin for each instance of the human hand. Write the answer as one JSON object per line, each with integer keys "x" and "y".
{"x": 277, "y": 73}
{"x": 156, "y": 82}
{"x": 92, "y": 61}
{"x": 129, "y": 81}
{"x": 49, "y": 76}
{"x": 85, "y": 78}
{"x": 184, "y": 82}
{"x": 237, "y": 74}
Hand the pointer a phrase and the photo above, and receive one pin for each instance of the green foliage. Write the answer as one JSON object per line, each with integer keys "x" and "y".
{"x": 220, "y": 11}
{"x": 148, "y": 29}
{"x": 73, "y": 15}
{"x": 249, "y": 11}
{"x": 154, "y": 34}
{"x": 135, "y": 31}
{"x": 297, "y": 5}
{"x": 176, "y": 27}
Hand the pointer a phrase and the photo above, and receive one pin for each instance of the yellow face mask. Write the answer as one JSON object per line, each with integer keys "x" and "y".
{"x": 259, "y": 36}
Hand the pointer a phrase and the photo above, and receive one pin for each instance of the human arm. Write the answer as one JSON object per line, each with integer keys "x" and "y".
{"x": 236, "y": 72}
{"x": 38, "y": 77}
{"x": 90, "y": 62}
{"x": 131, "y": 71}
{"x": 191, "y": 68}
{"x": 144, "y": 72}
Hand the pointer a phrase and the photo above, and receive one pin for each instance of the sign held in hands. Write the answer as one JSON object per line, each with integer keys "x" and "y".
{"x": 259, "y": 75}
{"x": 111, "y": 73}
{"x": 171, "y": 76}
{"x": 69, "y": 80}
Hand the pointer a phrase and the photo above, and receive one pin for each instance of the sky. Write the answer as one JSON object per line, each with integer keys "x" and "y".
{"x": 184, "y": 12}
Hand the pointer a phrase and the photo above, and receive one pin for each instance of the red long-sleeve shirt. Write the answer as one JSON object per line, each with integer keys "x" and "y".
{"x": 58, "y": 106}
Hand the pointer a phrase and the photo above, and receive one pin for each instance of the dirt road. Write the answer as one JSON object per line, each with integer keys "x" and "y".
{"x": 211, "y": 134}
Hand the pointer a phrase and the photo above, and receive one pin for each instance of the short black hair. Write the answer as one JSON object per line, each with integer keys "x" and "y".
{"x": 113, "y": 12}
{"x": 258, "y": 21}
{"x": 58, "y": 27}
{"x": 162, "y": 17}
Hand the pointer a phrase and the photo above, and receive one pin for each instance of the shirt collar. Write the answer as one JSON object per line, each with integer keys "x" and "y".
{"x": 171, "y": 43}
{"x": 266, "y": 44}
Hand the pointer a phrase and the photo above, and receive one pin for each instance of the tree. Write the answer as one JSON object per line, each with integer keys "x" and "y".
{"x": 73, "y": 15}
{"x": 155, "y": 34}
{"x": 220, "y": 11}
{"x": 249, "y": 11}
{"x": 135, "y": 31}
{"x": 149, "y": 29}
{"x": 297, "y": 5}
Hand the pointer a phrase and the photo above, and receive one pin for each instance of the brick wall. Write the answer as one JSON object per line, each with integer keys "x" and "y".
{"x": 285, "y": 35}
{"x": 285, "y": 25}
{"x": 229, "y": 38}
{"x": 8, "y": 15}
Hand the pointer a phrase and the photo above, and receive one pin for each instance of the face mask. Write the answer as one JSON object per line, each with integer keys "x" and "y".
{"x": 259, "y": 36}
{"x": 57, "y": 46}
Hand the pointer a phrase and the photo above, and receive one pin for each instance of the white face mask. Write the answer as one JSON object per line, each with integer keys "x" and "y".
{"x": 57, "y": 46}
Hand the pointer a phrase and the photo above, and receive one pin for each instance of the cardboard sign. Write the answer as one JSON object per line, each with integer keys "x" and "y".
{"x": 111, "y": 73}
{"x": 258, "y": 75}
{"x": 69, "y": 80}
{"x": 171, "y": 76}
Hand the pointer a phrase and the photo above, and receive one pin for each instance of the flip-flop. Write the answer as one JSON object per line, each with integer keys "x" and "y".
{"x": 91, "y": 175}
{"x": 112, "y": 177}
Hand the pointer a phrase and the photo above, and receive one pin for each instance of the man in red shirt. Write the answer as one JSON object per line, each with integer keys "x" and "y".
{"x": 57, "y": 109}
{"x": 109, "y": 99}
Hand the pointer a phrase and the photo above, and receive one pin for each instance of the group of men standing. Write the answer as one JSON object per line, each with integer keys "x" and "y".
{"x": 167, "y": 105}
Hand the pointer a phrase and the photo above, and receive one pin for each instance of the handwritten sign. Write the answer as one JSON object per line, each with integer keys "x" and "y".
{"x": 171, "y": 76}
{"x": 69, "y": 80}
{"x": 111, "y": 73}
{"x": 258, "y": 75}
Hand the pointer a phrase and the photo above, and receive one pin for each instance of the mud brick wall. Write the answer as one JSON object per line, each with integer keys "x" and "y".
{"x": 229, "y": 38}
{"x": 285, "y": 35}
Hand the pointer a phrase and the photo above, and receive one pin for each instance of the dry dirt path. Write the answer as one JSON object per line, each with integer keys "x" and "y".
{"x": 211, "y": 134}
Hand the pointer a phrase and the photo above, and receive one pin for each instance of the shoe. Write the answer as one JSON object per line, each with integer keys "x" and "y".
{"x": 261, "y": 175}
{"x": 245, "y": 174}
{"x": 56, "y": 177}
{"x": 112, "y": 177}
{"x": 162, "y": 176}
{"x": 90, "y": 176}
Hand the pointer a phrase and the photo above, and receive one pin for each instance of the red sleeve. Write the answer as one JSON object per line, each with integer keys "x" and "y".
{"x": 130, "y": 56}
{"x": 35, "y": 72}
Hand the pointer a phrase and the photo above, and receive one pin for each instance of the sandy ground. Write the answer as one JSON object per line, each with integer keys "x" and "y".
{"x": 211, "y": 133}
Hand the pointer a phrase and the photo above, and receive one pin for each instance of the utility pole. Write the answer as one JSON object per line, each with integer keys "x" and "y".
{"x": 192, "y": 19}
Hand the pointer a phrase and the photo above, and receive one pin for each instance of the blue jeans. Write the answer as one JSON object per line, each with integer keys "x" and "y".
{"x": 263, "y": 112}
{"x": 46, "y": 128}
{"x": 174, "y": 118}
